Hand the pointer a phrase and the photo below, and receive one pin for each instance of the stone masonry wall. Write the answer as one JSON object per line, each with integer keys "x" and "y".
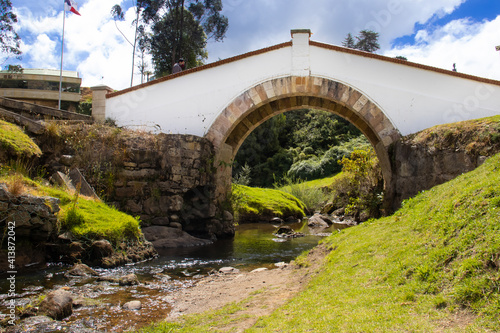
{"x": 418, "y": 168}
{"x": 33, "y": 222}
{"x": 172, "y": 184}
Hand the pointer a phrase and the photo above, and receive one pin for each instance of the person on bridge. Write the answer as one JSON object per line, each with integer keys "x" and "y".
{"x": 178, "y": 66}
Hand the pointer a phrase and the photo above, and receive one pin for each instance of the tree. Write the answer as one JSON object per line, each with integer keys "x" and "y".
{"x": 149, "y": 10}
{"x": 143, "y": 45}
{"x": 10, "y": 42}
{"x": 349, "y": 42}
{"x": 366, "y": 40}
{"x": 164, "y": 43}
{"x": 183, "y": 31}
{"x": 181, "y": 28}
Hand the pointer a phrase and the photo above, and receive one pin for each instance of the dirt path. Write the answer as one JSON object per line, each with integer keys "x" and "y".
{"x": 268, "y": 290}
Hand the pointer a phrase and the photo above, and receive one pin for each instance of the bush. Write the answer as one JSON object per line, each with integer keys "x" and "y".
{"x": 326, "y": 165}
{"x": 360, "y": 188}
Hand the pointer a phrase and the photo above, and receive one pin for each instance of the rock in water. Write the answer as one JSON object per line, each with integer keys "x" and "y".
{"x": 166, "y": 237}
{"x": 128, "y": 280}
{"x": 58, "y": 304}
{"x": 133, "y": 305}
{"x": 81, "y": 270}
{"x": 229, "y": 270}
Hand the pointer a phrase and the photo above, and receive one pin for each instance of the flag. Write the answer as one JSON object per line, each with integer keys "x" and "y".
{"x": 70, "y": 5}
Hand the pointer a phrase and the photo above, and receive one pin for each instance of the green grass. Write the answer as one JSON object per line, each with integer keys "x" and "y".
{"x": 314, "y": 193}
{"x": 13, "y": 139}
{"x": 251, "y": 203}
{"x": 411, "y": 271}
{"x": 89, "y": 219}
{"x": 433, "y": 266}
{"x": 227, "y": 315}
{"x": 311, "y": 184}
{"x": 85, "y": 218}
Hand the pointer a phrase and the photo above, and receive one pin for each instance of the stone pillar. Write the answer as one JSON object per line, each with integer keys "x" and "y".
{"x": 223, "y": 174}
{"x": 99, "y": 102}
{"x": 300, "y": 52}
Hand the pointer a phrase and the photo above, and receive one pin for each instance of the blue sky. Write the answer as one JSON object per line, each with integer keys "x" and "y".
{"x": 433, "y": 32}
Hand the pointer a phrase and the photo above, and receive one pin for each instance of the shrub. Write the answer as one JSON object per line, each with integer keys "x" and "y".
{"x": 312, "y": 197}
{"x": 360, "y": 188}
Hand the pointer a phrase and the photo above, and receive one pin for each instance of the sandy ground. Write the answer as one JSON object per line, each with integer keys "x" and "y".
{"x": 269, "y": 289}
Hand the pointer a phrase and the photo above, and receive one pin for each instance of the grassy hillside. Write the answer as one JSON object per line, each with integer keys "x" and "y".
{"x": 433, "y": 266}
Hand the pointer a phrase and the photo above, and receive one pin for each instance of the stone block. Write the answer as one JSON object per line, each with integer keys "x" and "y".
{"x": 63, "y": 180}
{"x": 130, "y": 164}
{"x": 151, "y": 206}
{"x": 133, "y": 207}
{"x": 21, "y": 218}
{"x": 162, "y": 221}
{"x": 124, "y": 192}
{"x": 172, "y": 203}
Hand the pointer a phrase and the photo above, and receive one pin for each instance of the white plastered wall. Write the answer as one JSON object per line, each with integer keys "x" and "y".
{"x": 412, "y": 98}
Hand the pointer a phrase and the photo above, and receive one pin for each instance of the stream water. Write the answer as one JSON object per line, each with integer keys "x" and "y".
{"x": 253, "y": 246}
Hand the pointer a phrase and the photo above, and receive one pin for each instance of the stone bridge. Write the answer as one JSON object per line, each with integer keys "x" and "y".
{"x": 225, "y": 101}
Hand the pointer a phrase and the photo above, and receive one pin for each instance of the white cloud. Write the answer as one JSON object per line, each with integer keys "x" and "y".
{"x": 95, "y": 48}
{"x": 43, "y": 52}
{"x": 93, "y": 45}
{"x": 471, "y": 45}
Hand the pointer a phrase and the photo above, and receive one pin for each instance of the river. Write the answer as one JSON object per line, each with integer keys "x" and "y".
{"x": 253, "y": 246}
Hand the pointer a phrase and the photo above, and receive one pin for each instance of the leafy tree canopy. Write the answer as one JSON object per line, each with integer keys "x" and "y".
{"x": 301, "y": 140}
{"x": 366, "y": 40}
{"x": 164, "y": 39}
{"x": 10, "y": 41}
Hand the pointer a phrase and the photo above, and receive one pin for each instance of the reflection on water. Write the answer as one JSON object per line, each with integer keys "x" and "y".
{"x": 254, "y": 245}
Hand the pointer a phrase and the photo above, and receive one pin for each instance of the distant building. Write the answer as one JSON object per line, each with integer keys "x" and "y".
{"x": 41, "y": 86}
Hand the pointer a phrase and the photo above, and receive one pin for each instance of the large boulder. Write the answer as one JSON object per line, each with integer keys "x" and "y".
{"x": 166, "y": 237}
{"x": 58, "y": 304}
{"x": 319, "y": 221}
{"x": 81, "y": 270}
{"x": 100, "y": 249}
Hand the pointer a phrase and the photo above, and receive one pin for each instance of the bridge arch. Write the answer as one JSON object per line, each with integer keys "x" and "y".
{"x": 267, "y": 99}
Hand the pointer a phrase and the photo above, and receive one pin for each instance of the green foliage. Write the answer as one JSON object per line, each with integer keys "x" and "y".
{"x": 313, "y": 197}
{"x": 433, "y": 256}
{"x": 16, "y": 142}
{"x": 90, "y": 219}
{"x": 10, "y": 42}
{"x": 366, "y": 40}
{"x": 300, "y": 140}
{"x": 183, "y": 32}
{"x": 360, "y": 187}
{"x": 255, "y": 204}
{"x": 243, "y": 177}
{"x": 328, "y": 164}
{"x": 164, "y": 40}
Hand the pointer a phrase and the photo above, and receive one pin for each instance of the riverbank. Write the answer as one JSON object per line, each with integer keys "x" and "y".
{"x": 433, "y": 266}
{"x": 234, "y": 301}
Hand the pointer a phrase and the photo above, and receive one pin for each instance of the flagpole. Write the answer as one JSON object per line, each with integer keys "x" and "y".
{"x": 62, "y": 54}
